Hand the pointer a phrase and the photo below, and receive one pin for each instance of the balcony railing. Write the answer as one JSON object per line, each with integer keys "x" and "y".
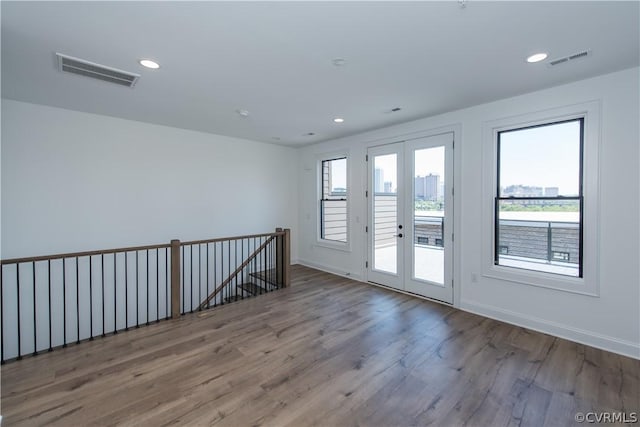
{"x": 550, "y": 241}
{"x": 334, "y": 219}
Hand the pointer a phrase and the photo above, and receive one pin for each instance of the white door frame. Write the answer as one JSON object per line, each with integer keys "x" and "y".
{"x": 404, "y": 280}
{"x": 388, "y": 278}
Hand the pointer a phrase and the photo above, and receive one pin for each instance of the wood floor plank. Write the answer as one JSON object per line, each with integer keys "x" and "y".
{"x": 327, "y": 351}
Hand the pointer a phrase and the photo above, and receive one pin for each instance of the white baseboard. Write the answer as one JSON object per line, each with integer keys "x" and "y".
{"x": 329, "y": 269}
{"x": 625, "y": 348}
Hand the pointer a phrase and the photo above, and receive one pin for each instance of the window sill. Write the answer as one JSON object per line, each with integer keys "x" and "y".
{"x": 575, "y": 285}
{"x": 344, "y": 247}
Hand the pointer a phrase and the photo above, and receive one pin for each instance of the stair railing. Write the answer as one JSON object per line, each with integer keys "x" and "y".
{"x": 51, "y": 301}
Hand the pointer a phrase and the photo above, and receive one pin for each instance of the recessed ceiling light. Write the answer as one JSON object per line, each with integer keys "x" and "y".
{"x": 395, "y": 110}
{"x": 149, "y": 64}
{"x": 338, "y": 120}
{"x": 310, "y": 134}
{"x": 537, "y": 57}
{"x": 242, "y": 113}
{"x": 339, "y": 62}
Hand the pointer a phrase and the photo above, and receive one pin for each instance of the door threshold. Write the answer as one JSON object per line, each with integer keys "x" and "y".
{"x": 411, "y": 294}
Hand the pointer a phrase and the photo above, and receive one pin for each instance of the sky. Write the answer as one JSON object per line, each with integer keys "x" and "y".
{"x": 339, "y": 174}
{"x": 546, "y": 156}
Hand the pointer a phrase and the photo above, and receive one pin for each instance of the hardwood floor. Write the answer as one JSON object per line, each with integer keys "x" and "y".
{"x": 326, "y": 351}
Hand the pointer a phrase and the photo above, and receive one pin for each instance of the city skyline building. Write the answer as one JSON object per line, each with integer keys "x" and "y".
{"x": 428, "y": 187}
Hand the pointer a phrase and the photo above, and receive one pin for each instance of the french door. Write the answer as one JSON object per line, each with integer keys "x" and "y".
{"x": 410, "y": 216}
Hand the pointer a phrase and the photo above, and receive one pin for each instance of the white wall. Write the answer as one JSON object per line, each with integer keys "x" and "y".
{"x": 74, "y": 181}
{"x": 610, "y": 321}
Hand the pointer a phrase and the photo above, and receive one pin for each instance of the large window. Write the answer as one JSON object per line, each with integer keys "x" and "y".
{"x": 333, "y": 201}
{"x": 539, "y": 201}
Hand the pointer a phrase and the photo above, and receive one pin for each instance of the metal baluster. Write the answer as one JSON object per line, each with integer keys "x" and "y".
{"x": 254, "y": 264}
{"x": 243, "y": 270}
{"x": 222, "y": 276}
{"x": 235, "y": 253}
{"x": 166, "y": 281}
{"x": 102, "y": 268}
{"x": 208, "y": 293}
{"x": 64, "y": 302}
{"x": 253, "y": 268}
{"x": 270, "y": 258}
{"x": 215, "y": 272}
{"x": 264, "y": 268}
{"x": 199, "y": 276}
{"x": 49, "y": 284}
{"x": 115, "y": 293}
{"x": 1, "y": 315}
{"x": 126, "y": 291}
{"x": 90, "y": 299}
{"x": 184, "y": 267}
{"x": 137, "y": 291}
{"x": 229, "y": 270}
{"x": 77, "y": 301}
{"x": 18, "y": 310}
{"x": 147, "y": 287}
{"x": 157, "y": 286}
{"x": 191, "y": 279}
{"x": 35, "y": 324}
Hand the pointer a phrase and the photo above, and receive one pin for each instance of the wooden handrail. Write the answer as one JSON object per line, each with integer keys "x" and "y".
{"x": 224, "y": 239}
{"x": 236, "y": 272}
{"x": 82, "y": 254}
{"x": 129, "y": 249}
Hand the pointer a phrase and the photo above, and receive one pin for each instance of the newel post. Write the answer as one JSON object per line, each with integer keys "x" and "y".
{"x": 175, "y": 279}
{"x": 279, "y": 258}
{"x": 286, "y": 279}
{"x": 283, "y": 257}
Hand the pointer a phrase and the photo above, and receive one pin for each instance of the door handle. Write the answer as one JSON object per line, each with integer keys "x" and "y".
{"x": 399, "y": 235}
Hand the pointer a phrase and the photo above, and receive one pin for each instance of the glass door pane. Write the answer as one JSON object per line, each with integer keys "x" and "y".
{"x": 385, "y": 213}
{"x": 428, "y": 214}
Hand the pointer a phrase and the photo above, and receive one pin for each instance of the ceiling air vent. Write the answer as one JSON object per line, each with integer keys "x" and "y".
{"x": 573, "y": 57}
{"x": 69, "y": 64}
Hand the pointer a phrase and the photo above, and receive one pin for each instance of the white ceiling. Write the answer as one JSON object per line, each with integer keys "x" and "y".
{"x": 274, "y": 59}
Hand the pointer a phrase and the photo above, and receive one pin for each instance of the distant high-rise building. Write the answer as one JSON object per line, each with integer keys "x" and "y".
{"x": 378, "y": 181}
{"x": 551, "y": 191}
{"x": 428, "y": 187}
{"x": 387, "y": 187}
{"x": 522, "y": 191}
{"x": 420, "y": 189}
{"x": 432, "y": 186}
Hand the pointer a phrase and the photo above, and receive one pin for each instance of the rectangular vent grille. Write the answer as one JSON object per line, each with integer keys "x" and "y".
{"x": 69, "y": 64}
{"x": 566, "y": 59}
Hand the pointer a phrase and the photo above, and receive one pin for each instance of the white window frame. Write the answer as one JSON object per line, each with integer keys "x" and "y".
{"x": 333, "y": 244}
{"x": 589, "y": 283}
